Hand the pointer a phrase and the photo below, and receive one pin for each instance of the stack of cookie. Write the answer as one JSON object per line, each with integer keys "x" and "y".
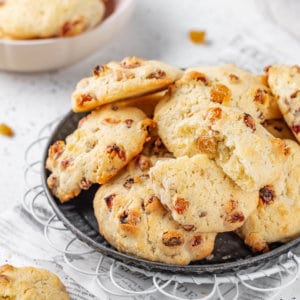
{"x": 184, "y": 155}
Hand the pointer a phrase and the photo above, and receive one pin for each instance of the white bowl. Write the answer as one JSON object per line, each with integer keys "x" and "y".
{"x": 54, "y": 53}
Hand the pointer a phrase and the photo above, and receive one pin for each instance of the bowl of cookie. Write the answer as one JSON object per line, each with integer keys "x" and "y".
{"x": 182, "y": 171}
{"x": 53, "y": 34}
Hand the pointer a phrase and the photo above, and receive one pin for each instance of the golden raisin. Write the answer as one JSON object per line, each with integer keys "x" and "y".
{"x": 259, "y": 96}
{"x": 220, "y": 93}
{"x": 295, "y": 94}
{"x": 213, "y": 114}
{"x": 235, "y": 217}
{"x": 267, "y": 194}
{"x": 85, "y": 98}
{"x": 233, "y": 78}
{"x": 130, "y": 217}
{"x": 207, "y": 144}
{"x": 197, "y": 37}
{"x": 144, "y": 162}
{"x": 6, "y": 130}
{"x": 197, "y": 240}
{"x": 128, "y": 123}
{"x": 128, "y": 183}
{"x": 181, "y": 205}
{"x": 130, "y": 62}
{"x": 249, "y": 121}
{"x": 159, "y": 74}
{"x": 172, "y": 238}
{"x": 85, "y": 184}
{"x": 108, "y": 200}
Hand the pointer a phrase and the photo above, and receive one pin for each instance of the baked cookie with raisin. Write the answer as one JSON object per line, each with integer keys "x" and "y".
{"x": 198, "y": 193}
{"x": 277, "y": 216}
{"x": 233, "y": 86}
{"x": 129, "y": 78}
{"x": 227, "y": 85}
{"x": 29, "y": 283}
{"x": 104, "y": 142}
{"x": 133, "y": 220}
{"x": 284, "y": 82}
{"x": 30, "y": 19}
{"x": 241, "y": 146}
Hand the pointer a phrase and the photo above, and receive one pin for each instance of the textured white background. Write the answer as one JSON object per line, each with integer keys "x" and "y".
{"x": 158, "y": 30}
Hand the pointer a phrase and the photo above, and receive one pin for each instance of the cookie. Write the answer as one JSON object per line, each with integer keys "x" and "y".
{"x": 279, "y": 129}
{"x": 133, "y": 220}
{"x": 285, "y": 84}
{"x": 104, "y": 142}
{"x": 277, "y": 216}
{"x": 145, "y": 103}
{"x": 30, "y": 19}
{"x": 227, "y": 85}
{"x": 114, "y": 81}
{"x": 27, "y": 283}
{"x": 242, "y": 147}
{"x": 198, "y": 193}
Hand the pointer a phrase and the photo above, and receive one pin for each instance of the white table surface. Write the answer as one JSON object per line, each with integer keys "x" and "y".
{"x": 158, "y": 30}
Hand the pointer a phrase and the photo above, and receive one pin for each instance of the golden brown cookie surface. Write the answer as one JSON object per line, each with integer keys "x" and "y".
{"x": 104, "y": 142}
{"x": 114, "y": 81}
{"x": 27, "y": 283}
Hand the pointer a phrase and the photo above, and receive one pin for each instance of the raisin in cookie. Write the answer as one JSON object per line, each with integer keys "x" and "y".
{"x": 30, "y": 19}
{"x": 277, "y": 216}
{"x": 104, "y": 142}
{"x": 27, "y": 283}
{"x": 243, "y": 148}
{"x": 133, "y": 220}
{"x": 119, "y": 80}
{"x": 198, "y": 193}
{"x": 285, "y": 83}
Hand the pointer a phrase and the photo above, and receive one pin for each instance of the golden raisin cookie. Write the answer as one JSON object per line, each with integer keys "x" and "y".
{"x": 279, "y": 129}
{"x": 285, "y": 83}
{"x": 104, "y": 142}
{"x": 30, "y": 19}
{"x": 277, "y": 216}
{"x": 131, "y": 77}
{"x": 28, "y": 283}
{"x": 133, "y": 220}
{"x": 243, "y": 148}
{"x": 198, "y": 193}
{"x": 227, "y": 85}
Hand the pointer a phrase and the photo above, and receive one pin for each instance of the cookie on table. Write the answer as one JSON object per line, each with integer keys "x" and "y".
{"x": 30, "y": 19}
{"x": 133, "y": 220}
{"x": 27, "y": 283}
{"x": 129, "y": 78}
{"x": 277, "y": 216}
{"x": 198, "y": 193}
{"x": 279, "y": 129}
{"x": 104, "y": 142}
{"x": 285, "y": 83}
{"x": 242, "y": 147}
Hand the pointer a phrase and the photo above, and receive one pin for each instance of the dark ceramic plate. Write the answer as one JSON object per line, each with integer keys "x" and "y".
{"x": 230, "y": 253}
